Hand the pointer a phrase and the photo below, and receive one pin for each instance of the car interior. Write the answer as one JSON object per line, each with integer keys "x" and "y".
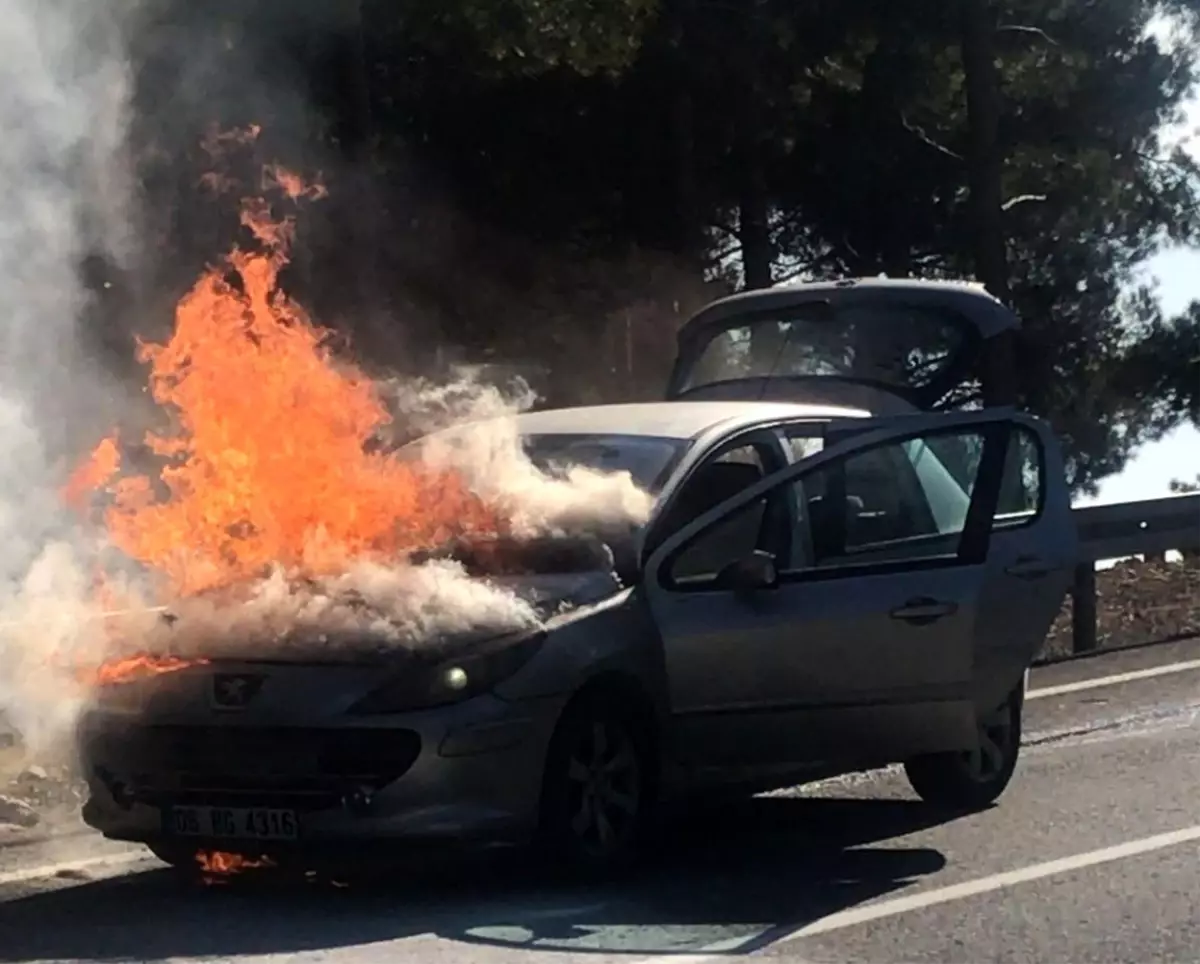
{"x": 760, "y": 524}
{"x": 857, "y": 503}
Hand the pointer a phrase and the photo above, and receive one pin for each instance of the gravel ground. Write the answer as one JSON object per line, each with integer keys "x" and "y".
{"x": 34, "y": 797}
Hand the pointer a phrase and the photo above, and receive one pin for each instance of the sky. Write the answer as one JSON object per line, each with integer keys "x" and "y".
{"x": 1177, "y": 456}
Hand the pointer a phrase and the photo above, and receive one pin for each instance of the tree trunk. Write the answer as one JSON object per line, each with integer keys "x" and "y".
{"x": 688, "y": 241}
{"x": 363, "y": 218}
{"x": 886, "y": 87}
{"x": 984, "y": 178}
{"x": 754, "y": 229}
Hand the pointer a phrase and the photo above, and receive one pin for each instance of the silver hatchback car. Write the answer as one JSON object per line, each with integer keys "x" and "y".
{"x": 853, "y": 573}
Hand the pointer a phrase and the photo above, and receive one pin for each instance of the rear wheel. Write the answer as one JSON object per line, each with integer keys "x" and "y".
{"x": 598, "y": 787}
{"x": 973, "y": 779}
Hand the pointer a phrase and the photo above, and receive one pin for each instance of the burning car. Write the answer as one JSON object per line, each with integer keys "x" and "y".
{"x": 843, "y": 568}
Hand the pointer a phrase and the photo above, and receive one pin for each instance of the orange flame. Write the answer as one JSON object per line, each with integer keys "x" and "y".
{"x": 92, "y": 473}
{"x": 275, "y": 175}
{"x": 267, "y": 461}
{"x": 215, "y": 140}
{"x": 221, "y": 864}
{"x": 130, "y": 668}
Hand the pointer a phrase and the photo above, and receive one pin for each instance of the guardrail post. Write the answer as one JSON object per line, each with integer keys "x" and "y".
{"x": 1083, "y": 608}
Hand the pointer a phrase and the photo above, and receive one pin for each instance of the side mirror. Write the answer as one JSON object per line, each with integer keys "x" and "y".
{"x": 751, "y": 573}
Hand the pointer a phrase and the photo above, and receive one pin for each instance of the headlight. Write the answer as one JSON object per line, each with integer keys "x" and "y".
{"x": 454, "y": 679}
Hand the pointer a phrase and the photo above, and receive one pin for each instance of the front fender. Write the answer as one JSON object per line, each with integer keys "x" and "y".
{"x": 616, "y": 635}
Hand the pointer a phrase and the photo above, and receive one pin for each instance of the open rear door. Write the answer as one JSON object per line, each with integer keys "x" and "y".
{"x": 887, "y": 346}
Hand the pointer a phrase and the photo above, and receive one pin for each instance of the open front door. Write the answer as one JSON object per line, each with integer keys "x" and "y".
{"x": 886, "y": 346}
{"x": 862, "y": 650}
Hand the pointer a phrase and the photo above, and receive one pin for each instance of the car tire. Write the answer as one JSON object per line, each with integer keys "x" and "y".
{"x": 973, "y": 779}
{"x": 597, "y": 789}
{"x": 180, "y": 859}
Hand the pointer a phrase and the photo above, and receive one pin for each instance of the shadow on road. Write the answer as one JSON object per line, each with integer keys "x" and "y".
{"x": 731, "y": 874}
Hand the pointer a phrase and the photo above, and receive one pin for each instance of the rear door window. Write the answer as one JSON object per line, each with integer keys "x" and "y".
{"x": 1023, "y": 490}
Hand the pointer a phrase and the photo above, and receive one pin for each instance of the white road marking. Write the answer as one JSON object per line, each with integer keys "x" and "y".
{"x": 994, "y": 882}
{"x": 857, "y": 916}
{"x": 1116, "y": 679}
{"x": 70, "y": 866}
{"x": 717, "y": 951}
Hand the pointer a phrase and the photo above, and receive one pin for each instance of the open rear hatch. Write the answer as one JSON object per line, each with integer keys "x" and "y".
{"x": 884, "y": 345}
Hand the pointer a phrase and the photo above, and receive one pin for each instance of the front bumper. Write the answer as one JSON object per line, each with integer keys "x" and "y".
{"x": 466, "y": 772}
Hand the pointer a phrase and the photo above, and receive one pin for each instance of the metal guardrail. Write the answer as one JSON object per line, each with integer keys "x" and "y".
{"x": 1150, "y": 527}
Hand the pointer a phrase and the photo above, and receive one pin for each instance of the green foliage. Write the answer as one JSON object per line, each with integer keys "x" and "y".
{"x": 526, "y": 37}
{"x": 825, "y": 139}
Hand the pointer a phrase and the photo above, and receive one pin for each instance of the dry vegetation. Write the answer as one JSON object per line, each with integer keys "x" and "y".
{"x": 1137, "y": 602}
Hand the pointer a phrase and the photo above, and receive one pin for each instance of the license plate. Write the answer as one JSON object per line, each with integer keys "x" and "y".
{"x": 239, "y": 823}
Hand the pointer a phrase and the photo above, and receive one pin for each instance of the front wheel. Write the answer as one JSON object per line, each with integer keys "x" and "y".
{"x": 973, "y": 779}
{"x": 597, "y": 788}
{"x": 181, "y": 859}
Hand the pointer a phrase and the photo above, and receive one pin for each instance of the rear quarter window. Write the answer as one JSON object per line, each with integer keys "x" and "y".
{"x": 1023, "y": 489}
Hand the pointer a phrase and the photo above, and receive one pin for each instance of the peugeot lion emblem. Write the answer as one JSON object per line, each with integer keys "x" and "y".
{"x": 233, "y": 691}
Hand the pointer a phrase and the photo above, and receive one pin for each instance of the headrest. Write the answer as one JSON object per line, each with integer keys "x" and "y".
{"x": 716, "y": 482}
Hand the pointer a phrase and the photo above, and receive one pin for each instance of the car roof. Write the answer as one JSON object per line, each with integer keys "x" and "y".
{"x": 675, "y": 420}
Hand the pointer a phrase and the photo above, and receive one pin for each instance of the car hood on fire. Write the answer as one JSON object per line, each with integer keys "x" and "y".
{"x": 553, "y": 593}
{"x": 542, "y": 596}
{"x": 307, "y": 684}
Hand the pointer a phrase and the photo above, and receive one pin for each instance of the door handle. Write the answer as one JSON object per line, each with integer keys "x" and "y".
{"x": 923, "y": 610}
{"x": 1029, "y": 567}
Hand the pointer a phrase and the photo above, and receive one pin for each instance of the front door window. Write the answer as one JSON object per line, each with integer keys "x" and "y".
{"x": 906, "y": 500}
{"x": 723, "y": 478}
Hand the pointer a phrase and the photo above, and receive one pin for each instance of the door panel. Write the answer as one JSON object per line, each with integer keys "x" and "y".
{"x": 820, "y": 670}
{"x": 864, "y": 649}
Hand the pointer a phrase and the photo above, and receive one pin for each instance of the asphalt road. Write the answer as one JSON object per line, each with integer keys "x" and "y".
{"x": 1090, "y": 856}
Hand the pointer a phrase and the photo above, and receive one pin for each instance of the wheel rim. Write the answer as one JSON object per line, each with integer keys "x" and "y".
{"x": 604, "y": 782}
{"x": 993, "y": 750}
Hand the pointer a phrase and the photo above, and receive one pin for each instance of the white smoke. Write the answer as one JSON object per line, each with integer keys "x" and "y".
{"x": 368, "y": 609}
{"x": 472, "y": 428}
{"x": 64, "y": 95}
{"x": 64, "y": 103}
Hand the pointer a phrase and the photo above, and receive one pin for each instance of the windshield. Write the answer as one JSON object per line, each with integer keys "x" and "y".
{"x": 648, "y": 459}
{"x": 892, "y": 345}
